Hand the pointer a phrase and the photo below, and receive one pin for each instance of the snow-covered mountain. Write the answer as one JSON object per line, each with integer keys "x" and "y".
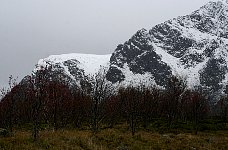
{"x": 88, "y": 63}
{"x": 74, "y": 67}
{"x": 194, "y": 47}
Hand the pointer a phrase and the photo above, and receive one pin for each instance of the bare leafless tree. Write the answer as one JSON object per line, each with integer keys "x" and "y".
{"x": 38, "y": 81}
{"x": 175, "y": 91}
{"x": 8, "y": 93}
{"x": 101, "y": 91}
{"x": 224, "y": 108}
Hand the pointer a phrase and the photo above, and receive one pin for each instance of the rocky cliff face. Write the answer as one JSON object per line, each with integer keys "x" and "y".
{"x": 194, "y": 47}
{"x": 73, "y": 68}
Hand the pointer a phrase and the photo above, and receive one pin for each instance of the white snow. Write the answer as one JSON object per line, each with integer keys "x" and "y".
{"x": 90, "y": 63}
{"x": 135, "y": 80}
{"x": 191, "y": 74}
{"x": 225, "y": 2}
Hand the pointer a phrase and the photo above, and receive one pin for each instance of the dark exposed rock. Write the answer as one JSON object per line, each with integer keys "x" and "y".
{"x": 194, "y": 46}
{"x": 213, "y": 74}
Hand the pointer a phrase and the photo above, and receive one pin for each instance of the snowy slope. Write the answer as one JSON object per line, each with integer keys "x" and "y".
{"x": 74, "y": 68}
{"x": 194, "y": 47}
{"x": 90, "y": 63}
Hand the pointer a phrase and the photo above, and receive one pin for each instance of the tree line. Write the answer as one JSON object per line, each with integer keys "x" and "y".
{"x": 47, "y": 100}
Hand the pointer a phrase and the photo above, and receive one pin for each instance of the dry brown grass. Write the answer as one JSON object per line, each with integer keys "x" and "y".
{"x": 117, "y": 138}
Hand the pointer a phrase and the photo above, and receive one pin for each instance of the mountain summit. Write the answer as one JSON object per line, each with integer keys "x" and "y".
{"x": 194, "y": 47}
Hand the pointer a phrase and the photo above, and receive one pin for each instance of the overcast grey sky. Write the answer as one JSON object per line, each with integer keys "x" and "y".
{"x": 34, "y": 29}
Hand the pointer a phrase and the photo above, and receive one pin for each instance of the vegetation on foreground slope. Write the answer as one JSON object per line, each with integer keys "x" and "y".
{"x": 45, "y": 113}
{"x": 116, "y": 138}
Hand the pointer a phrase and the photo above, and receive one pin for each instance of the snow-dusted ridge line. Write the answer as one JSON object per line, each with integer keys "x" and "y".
{"x": 193, "y": 47}
{"x": 90, "y": 63}
{"x": 223, "y": 1}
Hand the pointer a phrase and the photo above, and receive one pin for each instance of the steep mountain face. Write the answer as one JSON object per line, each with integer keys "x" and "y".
{"x": 194, "y": 47}
{"x": 139, "y": 57}
{"x": 74, "y": 68}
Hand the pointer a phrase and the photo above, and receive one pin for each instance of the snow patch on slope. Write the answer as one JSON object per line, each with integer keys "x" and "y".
{"x": 90, "y": 63}
{"x": 225, "y": 2}
{"x": 191, "y": 74}
{"x": 133, "y": 79}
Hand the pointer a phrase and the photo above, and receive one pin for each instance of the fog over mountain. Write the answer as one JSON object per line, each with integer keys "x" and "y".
{"x": 34, "y": 29}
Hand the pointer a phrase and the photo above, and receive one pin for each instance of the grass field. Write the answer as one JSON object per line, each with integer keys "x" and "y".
{"x": 118, "y": 138}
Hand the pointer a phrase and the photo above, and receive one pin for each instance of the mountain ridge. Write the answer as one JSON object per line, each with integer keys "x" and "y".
{"x": 193, "y": 46}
